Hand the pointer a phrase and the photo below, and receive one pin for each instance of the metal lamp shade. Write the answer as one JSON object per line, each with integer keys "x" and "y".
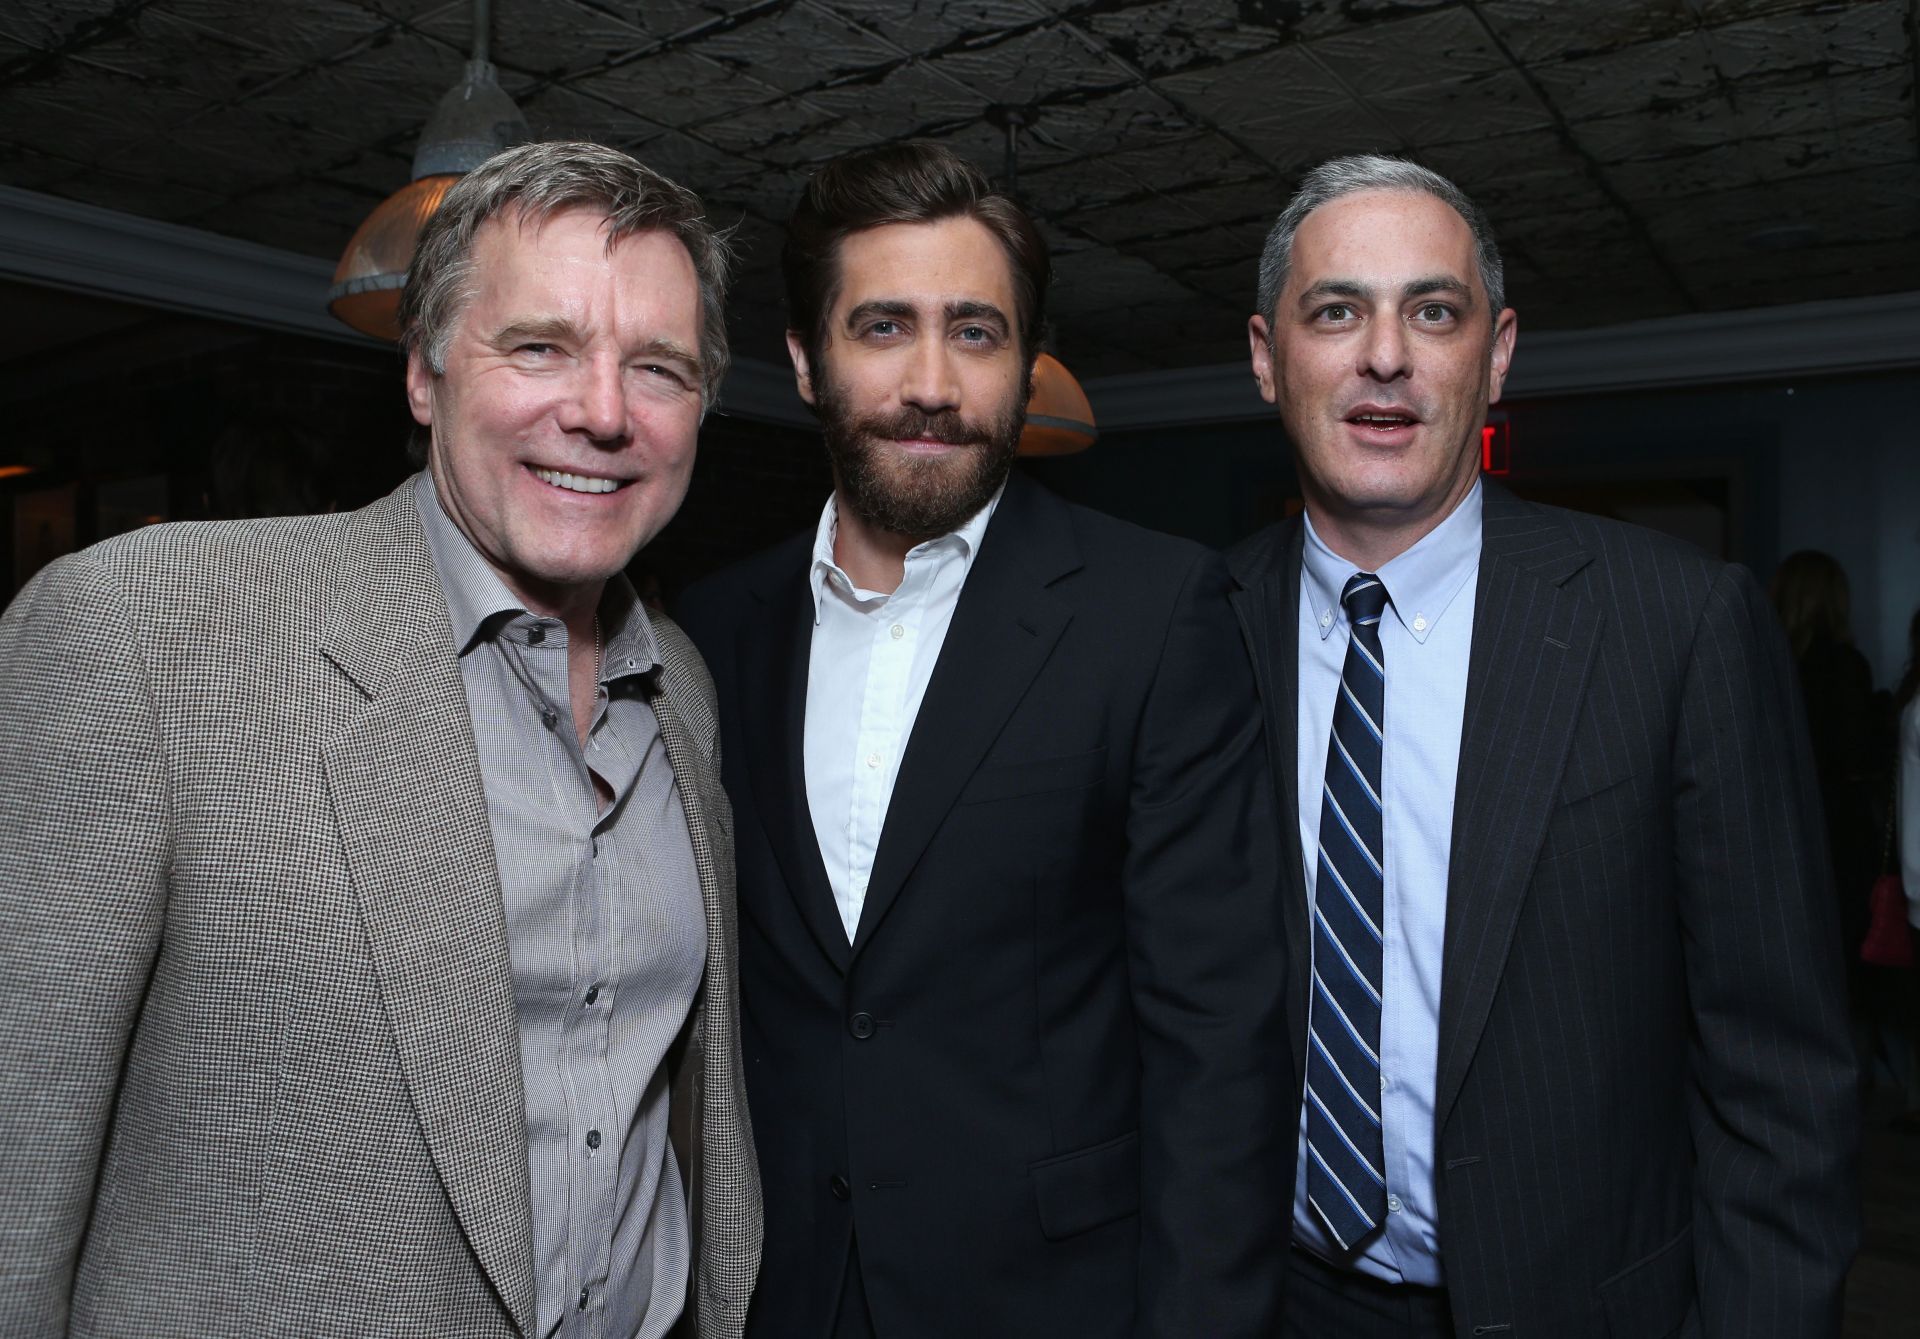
{"x": 1059, "y": 419}
{"x": 373, "y": 269}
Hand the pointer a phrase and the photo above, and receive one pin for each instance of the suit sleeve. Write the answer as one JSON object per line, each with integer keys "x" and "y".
{"x": 83, "y": 857}
{"x": 1207, "y": 958}
{"x": 1773, "y": 1106}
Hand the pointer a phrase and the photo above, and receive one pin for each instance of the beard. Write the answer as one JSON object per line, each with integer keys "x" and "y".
{"x": 919, "y": 498}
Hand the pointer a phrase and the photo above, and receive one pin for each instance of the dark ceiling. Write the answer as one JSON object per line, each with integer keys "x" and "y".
{"x": 1638, "y": 158}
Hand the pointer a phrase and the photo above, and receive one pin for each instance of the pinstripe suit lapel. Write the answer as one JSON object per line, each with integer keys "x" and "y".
{"x": 1533, "y": 646}
{"x": 405, "y": 783}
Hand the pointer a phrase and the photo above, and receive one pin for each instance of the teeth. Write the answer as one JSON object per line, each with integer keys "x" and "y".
{"x": 577, "y": 483}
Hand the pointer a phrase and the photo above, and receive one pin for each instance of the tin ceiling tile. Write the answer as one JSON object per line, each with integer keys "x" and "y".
{"x": 1476, "y": 107}
{"x": 1101, "y": 280}
{"x": 680, "y": 86}
{"x": 1035, "y": 66}
{"x": 935, "y": 25}
{"x": 46, "y": 25}
{"x": 312, "y": 30}
{"x": 554, "y": 37}
{"x": 1818, "y": 105}
{"x": 904, "y": 99}
{"x": 1307, "y": 136}
{"x": 799, "y": 48}
{"x": 1256, "y": 89}
{"x": 1863, "y": 38}
{"x": 1544, "y": 30}
{"x": 1176, "y": 35}
{"x": 1645, "y": 78}
{"x": 1656, "y": 134}
{"x": 558, "y": 111}
{"x": 1181, "y": 212}
{"x": 1444, "y": 45}
{"x": 30, "y": 170}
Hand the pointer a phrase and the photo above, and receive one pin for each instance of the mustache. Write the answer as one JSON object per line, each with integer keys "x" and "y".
{"x": 947, "y": 426}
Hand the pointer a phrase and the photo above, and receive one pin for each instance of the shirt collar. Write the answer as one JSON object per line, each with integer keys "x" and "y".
{"x": 965, "y": 541}
{"x": 1421, "y": 582}
{"x": 480, "y": 606}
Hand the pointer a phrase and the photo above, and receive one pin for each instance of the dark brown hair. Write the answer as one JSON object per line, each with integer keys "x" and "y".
{"x": 916, "y": 181}
{"x": 1809, "y": 592}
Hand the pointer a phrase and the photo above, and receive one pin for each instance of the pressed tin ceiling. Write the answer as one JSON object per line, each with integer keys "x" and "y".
{"x": 1639, "y": 158}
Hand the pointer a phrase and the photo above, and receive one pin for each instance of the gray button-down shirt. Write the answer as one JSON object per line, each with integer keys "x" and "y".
{"x": 606, "y": 934}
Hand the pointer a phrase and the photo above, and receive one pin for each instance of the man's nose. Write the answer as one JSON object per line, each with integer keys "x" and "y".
{"x": 598, "y": 403}
{"x": 929, "y": 382}
{"x": 1384, "y": 356}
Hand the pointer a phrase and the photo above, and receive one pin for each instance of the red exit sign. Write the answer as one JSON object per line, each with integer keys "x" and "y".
{"x": 1496, "y": 447}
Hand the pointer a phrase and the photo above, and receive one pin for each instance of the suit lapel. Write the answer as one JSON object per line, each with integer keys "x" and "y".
{"x": 1003, "y": 629}
{"x": 412, "y": 815}
{"x": 1268, "y": 603}
{"x": 1533, "y": 646}
{"x": 774, "y": 677}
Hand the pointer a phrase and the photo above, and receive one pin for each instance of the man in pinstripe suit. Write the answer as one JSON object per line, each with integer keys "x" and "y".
{"x": 366, "y": 892}
{"x": 1565, "y": 1005}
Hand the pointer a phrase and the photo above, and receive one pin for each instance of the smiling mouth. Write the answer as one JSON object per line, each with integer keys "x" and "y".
{"x": 577, "y": 483}
{"x": 1383, "y": 420}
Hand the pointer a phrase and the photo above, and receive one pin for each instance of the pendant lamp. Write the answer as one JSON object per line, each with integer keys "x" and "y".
{"x": 475, "y": 120}
{"x": 1059, "y": 419}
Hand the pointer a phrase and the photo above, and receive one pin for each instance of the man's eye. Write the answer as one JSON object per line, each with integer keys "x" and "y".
{"x": 1336, "y": 311}
{"x": 535, "y": 349}
{"x": 1436, "y": 313}
{"x": 976, "y": 334}
{"x": 884, "y": 329}
{"x": 662, "y": 370}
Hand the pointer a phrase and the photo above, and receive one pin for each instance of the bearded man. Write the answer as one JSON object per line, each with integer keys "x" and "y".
{"x": 1011, "y": 957}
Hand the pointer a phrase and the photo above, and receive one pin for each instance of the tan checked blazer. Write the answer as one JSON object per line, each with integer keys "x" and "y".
{"x": 259, "y": 1068}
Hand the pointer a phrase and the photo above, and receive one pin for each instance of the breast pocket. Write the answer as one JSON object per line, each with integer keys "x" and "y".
{"x": 1037, "y": 776}
{"x": 1581, "y": 822}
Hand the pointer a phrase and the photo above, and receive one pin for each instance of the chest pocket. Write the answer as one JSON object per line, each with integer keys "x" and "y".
{"x": 1013, "y": 780}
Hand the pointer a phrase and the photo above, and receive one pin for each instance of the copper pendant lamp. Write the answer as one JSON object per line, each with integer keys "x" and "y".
{"x": 1059, "y": 419}
{"x": 475, "y": 120}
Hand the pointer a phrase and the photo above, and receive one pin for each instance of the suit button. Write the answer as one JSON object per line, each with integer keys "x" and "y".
{"x": 838, "y": 1185}
{"x": 861, "y": 1026}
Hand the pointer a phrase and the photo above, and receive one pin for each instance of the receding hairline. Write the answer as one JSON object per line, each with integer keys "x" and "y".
{"x": 1473, "y": 284}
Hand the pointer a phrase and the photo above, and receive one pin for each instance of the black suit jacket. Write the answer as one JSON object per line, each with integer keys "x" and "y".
{"x": 1645, "y": 1121}
{"x": 1046, "y": 1083}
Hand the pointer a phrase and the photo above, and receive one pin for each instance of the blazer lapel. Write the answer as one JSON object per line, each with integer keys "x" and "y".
{"x": 407, "y": 795}
{"x": 1003, "y": 629}
{"x": 1533, "y": 646}
{"x": 774, "y": 700}
{"x": 1268, "y": 604}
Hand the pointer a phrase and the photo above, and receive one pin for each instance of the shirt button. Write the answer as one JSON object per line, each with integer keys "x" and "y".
{"x": 1326, "y": 620}
{"x": 873, "y": 760}
{"x": 898, "y": 632}
{"x": 1393, "y": 1204}
{"x": 1419, "y": 622}
{"x": 583, "y": 1299}
{"x": 549, "y": 717}
{"x": 596, "y": 846}
{"x": 861, "y": 1026}
{"x": 593, "y": 1138}
{"x": 593, "y": 993}
{"x": 838, "y": 1187}
{"x": 536, "y": 635}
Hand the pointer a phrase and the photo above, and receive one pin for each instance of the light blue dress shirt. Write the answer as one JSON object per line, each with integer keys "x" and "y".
{"x": 1425, "y": 638}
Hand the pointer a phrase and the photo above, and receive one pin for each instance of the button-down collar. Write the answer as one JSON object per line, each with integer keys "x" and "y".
{"x": 1421, "y": 582}
{"x": 482, "y": 607}
{"x": 965, "y": 541}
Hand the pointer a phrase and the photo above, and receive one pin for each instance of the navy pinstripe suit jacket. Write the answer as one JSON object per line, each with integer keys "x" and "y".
{"x": 1646, "y": 1118}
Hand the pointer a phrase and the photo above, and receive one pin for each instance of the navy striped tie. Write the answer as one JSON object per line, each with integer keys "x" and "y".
{"x": 1346, "y": 1183}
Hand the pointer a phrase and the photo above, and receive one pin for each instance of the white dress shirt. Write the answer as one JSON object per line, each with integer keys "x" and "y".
{"x": 1426, "y": 636}
{"x": 873, "y": 654}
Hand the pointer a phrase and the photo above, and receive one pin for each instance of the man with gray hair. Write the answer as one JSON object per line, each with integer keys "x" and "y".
{"x": 367, "y": 937}
{"x": 1564, "y": 996}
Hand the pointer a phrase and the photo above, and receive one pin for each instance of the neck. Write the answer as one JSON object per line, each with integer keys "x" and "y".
{"x": 1370, "y": 538}
{"x": 875, "y": 559}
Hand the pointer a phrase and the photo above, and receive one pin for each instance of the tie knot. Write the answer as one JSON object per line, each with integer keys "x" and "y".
{"x": 1364, "y": 597}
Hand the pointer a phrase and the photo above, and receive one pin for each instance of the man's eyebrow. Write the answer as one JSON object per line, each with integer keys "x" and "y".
{"x": 891, "y": 308}
{"x": 545, "y": 330}
{"x": 1334, "y": 288}
{"x": 1442, "y": 284}
{"x": 971, "y": 310}
{"x": 667, "y": 350}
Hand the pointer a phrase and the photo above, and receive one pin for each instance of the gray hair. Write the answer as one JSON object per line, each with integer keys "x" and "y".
{"x": 1338, "y": 177}
{"x": 534, "y": 182}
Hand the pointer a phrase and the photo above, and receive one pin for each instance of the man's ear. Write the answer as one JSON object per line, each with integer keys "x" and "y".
{"x": 1505, "y": 329}
{"x": 420, "y": 389}
{"x": 802, "y": 368}
{"x": 1260, "y": 346}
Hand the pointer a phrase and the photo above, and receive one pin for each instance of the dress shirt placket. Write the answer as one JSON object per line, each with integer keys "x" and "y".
{"x": 894, "y": 627}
